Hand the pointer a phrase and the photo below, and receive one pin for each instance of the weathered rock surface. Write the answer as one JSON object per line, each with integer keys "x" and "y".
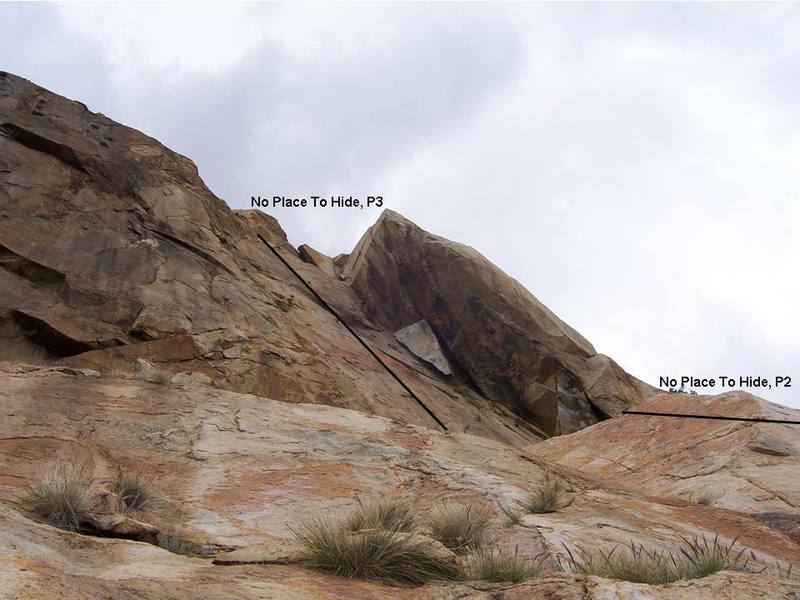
{"x": 743, "y": 466}
{"x": 123, "y": 526}
{"x": 235, "y": 471}
{"x": 513, "y": 348}
{"x": 146, "y": 326}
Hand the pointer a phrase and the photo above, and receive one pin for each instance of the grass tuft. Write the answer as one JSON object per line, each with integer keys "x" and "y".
{"x": 460, "y": 527}
{"x": 547, "y": 496}
{"x": 172, "y": 542}
{"x": 695, "y": 558}
{"x": 513, "y": 516}
{"x": 634, "y": 563}
{"x": 132, "y": 491}
{"x": 783, "y": 571}
{"x": 701, "y": 558}
{"x": 373, "y": 554}
{"x": 389, "y": 514}
{"x": 62, "y": 497}
{"x": 494, "y": 566}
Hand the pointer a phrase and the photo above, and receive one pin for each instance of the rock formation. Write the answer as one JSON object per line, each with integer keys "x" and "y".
{"x": 145, "y": 326}
{"x": 114, "y": 250}
{"x": 513, "y": 349}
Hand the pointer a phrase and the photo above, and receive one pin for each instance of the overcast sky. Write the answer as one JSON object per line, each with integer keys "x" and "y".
{"x": 637, "y": 167}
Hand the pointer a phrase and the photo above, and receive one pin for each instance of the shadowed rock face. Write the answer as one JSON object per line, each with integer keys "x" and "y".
{"x": 513, "y": 348}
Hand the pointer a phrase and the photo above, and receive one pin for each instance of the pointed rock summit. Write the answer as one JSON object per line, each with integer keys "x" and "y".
{"x": 513, "y": 349}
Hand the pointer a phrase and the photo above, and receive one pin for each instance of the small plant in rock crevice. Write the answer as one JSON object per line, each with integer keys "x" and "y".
{"x": 705, "y": 498}
{"x": 783, "y": 570}
{"x": 512, "y": 516}
{"x": 460, "y": 527}
{"x": 132, "y": 491}
{"x": 62, "y": 497}
{"x": 490, "y": 564}
{"x": 547, "y": 497}
{"x": 390, "y": 514}
{"x": 173, "y": 542}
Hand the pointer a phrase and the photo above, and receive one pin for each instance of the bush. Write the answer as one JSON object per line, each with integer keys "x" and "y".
{"x": 494, "y": 566}
{"x": 547, "y": 496}
{"x": 460, "y": 527}
{"x": 694, "y": 559}
{"x": 390, "y": 514}
{"x": 62, "y": 497}
{"x": 373, "y": 554}
{"x": 132, "y": 491}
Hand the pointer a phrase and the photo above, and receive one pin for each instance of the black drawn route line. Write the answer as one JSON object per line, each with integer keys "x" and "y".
{"x": 714, "y": 417}
{"x": 353, "y": 333}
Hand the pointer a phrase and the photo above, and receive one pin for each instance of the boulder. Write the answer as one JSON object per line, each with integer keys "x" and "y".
{"x": 123, "y": 526}
{"x": 420, "y": 339}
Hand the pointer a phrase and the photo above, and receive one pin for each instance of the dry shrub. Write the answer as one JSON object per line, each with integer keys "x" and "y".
{"x": 390, "y": 514}
{"x": 460, "y": 527}
{"x": 547, "y": 496}
{"x": 694, "y": 558}
{"x": 62, "y": 497}
{"x": 330, "y": 545}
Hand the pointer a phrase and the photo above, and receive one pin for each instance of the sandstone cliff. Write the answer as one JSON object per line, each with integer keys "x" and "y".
{"x": 146, "y": 326}
{"x": 114, "y": 250}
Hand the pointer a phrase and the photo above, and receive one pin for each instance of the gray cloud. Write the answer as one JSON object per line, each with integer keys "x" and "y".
{"x": 632, "y": 165}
